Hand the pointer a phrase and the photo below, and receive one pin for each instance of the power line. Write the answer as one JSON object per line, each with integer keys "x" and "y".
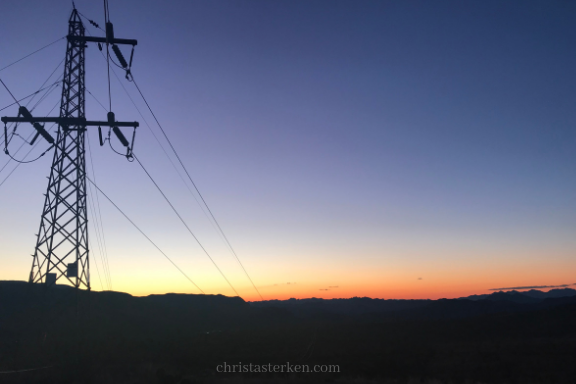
{"x": 31, "y": 149}
{"x": 36, "y": 51}
{"x": 44, "y": 96}
{"x": 97, "y": 269}
{"x": 99, "y": 226}
{"x": 32, "y": 94}
{"x": 29, "y": 161}
{"x": 41, "y": 88}
{"x": 49, "y": 90}
{"x": 106, "y": 20}
{"x": 195, "y": 187}
{"x": 165, "y": 197}
{"x": 172, "y": 206}
{"x": 98, "y": 101}
{"x": 18, "y": 150}
{"x": 186, "y": 225}
{"x": 202, "y": 206}
{"x": 38, "y": 142}
{"x": 5, "y": 86}
{"x": 96, "y": 229}
{"x": 10, "y": 174}
{"x": 143, "y": 234}
{"x": 17, "y": 165}
{"x": 90, "y": 21}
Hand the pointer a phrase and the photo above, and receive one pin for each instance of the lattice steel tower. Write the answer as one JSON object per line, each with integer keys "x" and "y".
{"x": 62, "y": 241}
{"x": 63, "y": 233}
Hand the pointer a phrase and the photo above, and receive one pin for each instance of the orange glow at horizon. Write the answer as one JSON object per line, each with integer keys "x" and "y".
{"x": 385, "y": 278}
{"x": 430, "y": 287}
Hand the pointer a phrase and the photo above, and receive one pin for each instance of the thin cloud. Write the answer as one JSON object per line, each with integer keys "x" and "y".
{"x": 275, "y": 285}
{"x": 267, "y": 286}
{"x": 533, "y": 287}
{"x": 332, "y": 286}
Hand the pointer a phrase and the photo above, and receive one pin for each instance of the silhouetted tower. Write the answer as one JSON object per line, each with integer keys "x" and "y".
{"x": 62, "y": 241}
{"x": 63, "y": 233}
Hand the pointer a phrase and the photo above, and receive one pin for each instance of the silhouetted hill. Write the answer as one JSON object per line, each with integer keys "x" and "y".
{"x": 498, "y": 302}
{"x": 22, "y": 303}
{"x": 349, "y": 307}
{"x": 553, "y": 293}
{"x": 160, "y": 314}
{"x": 100, "y": 337}
{"x": 521, "y": 296}
{"x": 514, "y": 296}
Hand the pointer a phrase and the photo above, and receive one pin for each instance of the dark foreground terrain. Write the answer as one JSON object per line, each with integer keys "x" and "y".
{"x": 63, "y": 336}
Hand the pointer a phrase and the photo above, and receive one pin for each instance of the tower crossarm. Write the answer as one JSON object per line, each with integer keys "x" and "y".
{"x": 93, "y": 39}
{"x": 68, "y": 121}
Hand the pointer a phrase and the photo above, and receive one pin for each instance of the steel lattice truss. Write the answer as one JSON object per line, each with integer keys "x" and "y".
{"x": 62, "y": 243}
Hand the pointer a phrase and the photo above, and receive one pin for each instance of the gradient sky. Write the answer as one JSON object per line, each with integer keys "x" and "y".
{"x": 391, "y": 149}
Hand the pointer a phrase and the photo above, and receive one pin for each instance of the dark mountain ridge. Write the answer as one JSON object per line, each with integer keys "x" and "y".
{"x": 523, "y": 296}
{"x": 22, "y": 303}
{"x": 180, "y": 338}
{"x": 497, "y": 302}
{"x": 208, "y": 312}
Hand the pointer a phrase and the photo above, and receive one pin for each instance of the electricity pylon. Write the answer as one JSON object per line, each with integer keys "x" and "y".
{"x": 62, "y": 241}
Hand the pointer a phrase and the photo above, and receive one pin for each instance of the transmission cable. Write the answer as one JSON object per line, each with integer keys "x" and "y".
{"x": 99, "y": 215}
{"x": 31, "y": 149}
{"x": 5, "y": 86}
{"x": 97, "y": 269}
{"x": 99, "y": 226}
{"x": 29, "y": 161}
{"x": 49, "y": 89}
{"x": 184, "y": 222}
{"x": 26, "y": 140}
{"x": 94, "y": 97}
{"x": 91, "y": 21}
{"x": 106, "y": 20}
{"x": 18, "y": 150}
{"x": 18, "y": 164}
{"x": 36, "y": 51}
{"x": 202, "y": 207}
{"x": 92, "y": 214}
{"x": 195, "y": 187}
{"x": 111, "y": 147}
{"x": 108, "y": 58}
{"x": 92, "y": 211}
{"x": 30, "y": 95}
{"x": 171, "y": 205}
{"x": 143, "y": 234}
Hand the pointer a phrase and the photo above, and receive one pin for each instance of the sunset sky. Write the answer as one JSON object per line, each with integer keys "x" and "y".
{"x": 391, "y": 149}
